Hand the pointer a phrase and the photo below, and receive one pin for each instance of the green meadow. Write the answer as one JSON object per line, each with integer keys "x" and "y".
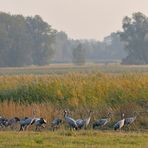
{"x": 71, "y": 139}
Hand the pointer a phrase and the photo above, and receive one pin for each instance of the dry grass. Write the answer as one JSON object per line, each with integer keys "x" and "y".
{"x": 48, "y": 111}
{"x": 13, "y": 109}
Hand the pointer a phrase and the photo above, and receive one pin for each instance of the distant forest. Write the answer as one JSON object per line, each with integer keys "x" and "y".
{"x": 81, "y": 51}
{"x": 32, "y": 41}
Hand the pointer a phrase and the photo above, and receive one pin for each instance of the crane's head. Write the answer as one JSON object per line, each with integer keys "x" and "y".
{"x": 91, "y": 112}
{"x": 122, "y": 115}
{"x": 65, "y": 112}
{"x": 44, "y": 121}
{"x": 136, "y": 113}
{"x": 109, "y": 114}
{"x": 16, "y": 119}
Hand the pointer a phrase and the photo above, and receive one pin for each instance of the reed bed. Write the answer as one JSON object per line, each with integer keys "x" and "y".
{"x": 76, "y": 89}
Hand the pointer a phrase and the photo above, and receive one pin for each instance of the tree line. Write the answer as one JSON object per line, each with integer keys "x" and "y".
{"x": 32, "y": 41}
{"x": 130, "y": 45}
{"x": 81, "y": 51}
{"x": 135, "y": 38}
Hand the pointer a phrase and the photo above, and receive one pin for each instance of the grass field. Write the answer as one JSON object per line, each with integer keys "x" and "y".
{"x": 67, "y": 68}
{"x": 51, "y": 89}
{"x": 69, "y": 139}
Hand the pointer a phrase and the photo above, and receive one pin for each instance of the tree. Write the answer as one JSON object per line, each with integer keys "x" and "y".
{"x": 43, "y": 37}
{"x": 14, "y": 41}
{"x": 113, "y": 47}
{"x": 25, "y": 40}
{"x": 79, "y": 55}
{"x": 135, "y": 38}
{"x": 63, "y": 52}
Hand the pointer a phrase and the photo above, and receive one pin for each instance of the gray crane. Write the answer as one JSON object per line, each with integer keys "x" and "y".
{"x": 3, "y": 121}
{"x": 39, "y": 122}
{"x": 25, "y": 122}
{"x": 102, "y": 122}
{"x": 11, "y": 122}
{"x": 84, "y": 122}
{"x": 56, "y": 123}
{"x": 120, "y": 123}
{"x": 128, "y": 121}
{"x": 80, "y": 123}
{"x": 72, "y": 123}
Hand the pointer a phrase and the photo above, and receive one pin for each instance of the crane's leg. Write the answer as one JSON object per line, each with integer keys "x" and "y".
{"x": 21, "y": 128}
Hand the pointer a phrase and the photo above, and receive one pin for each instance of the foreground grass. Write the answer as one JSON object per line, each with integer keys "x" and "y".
{"x": 71, "y": 139}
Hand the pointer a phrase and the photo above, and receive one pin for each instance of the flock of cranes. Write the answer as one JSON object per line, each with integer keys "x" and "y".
{"x": 83, "y": 123}
{"x": 72, "y": 123}
{"x": 24, "y": 122}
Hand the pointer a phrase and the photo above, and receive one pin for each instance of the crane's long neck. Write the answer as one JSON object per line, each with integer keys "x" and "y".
{"x": 135, "y": 117}
{"x": 65, "y": 114}
{"x": 90, "y": 114}
{"x": 122, "y": 116}
{"x": 33, "y": 114}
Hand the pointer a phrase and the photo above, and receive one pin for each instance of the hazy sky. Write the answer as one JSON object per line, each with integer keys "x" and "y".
{"x": 89, "y": 19}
